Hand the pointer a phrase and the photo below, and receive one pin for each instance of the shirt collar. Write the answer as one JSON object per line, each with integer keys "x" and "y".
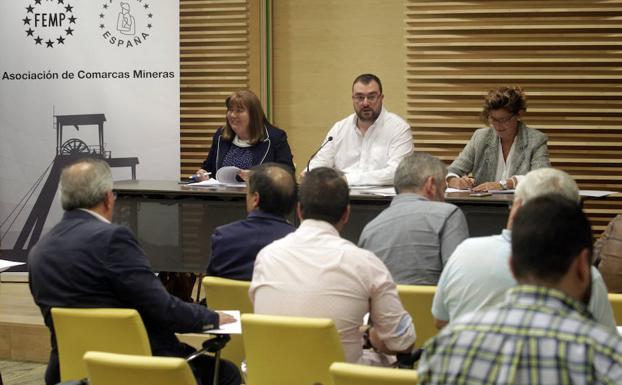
{"x": 318, "y": 225}
{"x": 96, "y": 215}
{"x": 506, "y": 234}
{"x": 544, "y": 297}
{"x": 258, "y": 213}
{"x": 408, "y": 197}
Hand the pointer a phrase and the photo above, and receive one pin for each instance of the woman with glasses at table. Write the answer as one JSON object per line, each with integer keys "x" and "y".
{"x": 499, "y": 156}
{"x": 247, "y": 139}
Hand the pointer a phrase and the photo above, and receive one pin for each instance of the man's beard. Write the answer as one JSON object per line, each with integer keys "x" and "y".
{"x": 374, "y": 115}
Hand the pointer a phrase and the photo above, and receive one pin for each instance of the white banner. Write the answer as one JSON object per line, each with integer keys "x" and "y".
{"x": 82, "y": 77}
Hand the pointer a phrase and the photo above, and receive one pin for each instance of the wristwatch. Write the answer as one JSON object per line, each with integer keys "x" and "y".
{"x": 504, "y": 184}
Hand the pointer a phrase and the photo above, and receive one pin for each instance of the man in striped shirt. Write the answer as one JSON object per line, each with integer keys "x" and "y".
{"x": 542, "y": 333}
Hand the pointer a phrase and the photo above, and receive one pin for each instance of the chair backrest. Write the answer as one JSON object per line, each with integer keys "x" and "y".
{"x": 289, "y": 350}
{"x": 123, "y": 369}
{"x": 616, "y": 304}
{"x": 229, "y": 294}
{"x": 417, "y": 301}
{"x": 353, "y": 374}
{"x": 110, "y": 330}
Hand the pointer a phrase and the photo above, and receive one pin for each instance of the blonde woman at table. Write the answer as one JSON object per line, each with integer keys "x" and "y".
{"x": 498, "y": 156}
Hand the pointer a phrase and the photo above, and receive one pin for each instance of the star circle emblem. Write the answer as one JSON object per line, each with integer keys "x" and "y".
{"x": 49, "y": 23}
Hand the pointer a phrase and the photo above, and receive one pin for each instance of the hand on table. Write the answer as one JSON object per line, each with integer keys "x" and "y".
{"x": 200, "y": 175}
{"x": 487, "y": 186}
{"x": 244, "y": 175}
{"x": 224, "y": 318}
{"x": 461, "y": 183}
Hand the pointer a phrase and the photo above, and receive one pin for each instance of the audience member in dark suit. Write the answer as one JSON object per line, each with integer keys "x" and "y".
{"x": 270, "y": 199}
{"x": 87, "y": 262}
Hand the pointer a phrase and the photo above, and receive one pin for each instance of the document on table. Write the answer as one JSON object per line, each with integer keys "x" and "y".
{"x": 209, "y": 182}
{"x": 508, "y": 191}
{"x": 373, "y": 190}
{"x": 595, "y": 193}
{"x": 451, "y": 190}
{"x": 5, "y": 265}
{"x": 231, "y": 328}
{"x": 224, "y": 176}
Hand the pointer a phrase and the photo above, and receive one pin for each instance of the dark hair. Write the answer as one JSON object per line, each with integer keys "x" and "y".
{"x": 548, "y": 232}
{"x": 512, "y": 99}
{"x": 257, "y": 119}
{"x": 323, "y": 195}
{"x": 366, "y": 79}
{"x": 276, "y": 186}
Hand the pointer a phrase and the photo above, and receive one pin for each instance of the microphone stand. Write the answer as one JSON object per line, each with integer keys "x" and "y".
{"x": 330, "y": 138}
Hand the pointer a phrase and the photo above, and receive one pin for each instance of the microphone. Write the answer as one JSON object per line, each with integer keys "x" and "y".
{"x": 318, "y": 150}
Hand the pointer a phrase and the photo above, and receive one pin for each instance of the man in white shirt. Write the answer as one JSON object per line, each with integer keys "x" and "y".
{"x": 313, "y": 272}
{"x": 368, "y": 145}
{"x": 478, "y": 273}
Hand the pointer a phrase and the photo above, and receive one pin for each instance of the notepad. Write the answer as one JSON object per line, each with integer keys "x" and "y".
{"x": 231, "y": 328}
{"x": 225, "y": 176}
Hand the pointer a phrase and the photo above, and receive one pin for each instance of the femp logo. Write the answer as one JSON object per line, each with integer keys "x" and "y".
{"x": 49, "y": 22}
{"x": 126, "y": 23}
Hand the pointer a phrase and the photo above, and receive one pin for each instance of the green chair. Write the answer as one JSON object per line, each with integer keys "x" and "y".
{"x": 289, "y": 350}
{"x": 81, "y": 330}
{"x": 354, "y": 374}
{"x": 229, "y": 294}
{"x": 616, "y": 304}
{"x": 417, "y": 300}
{"x": 123, "y": 369}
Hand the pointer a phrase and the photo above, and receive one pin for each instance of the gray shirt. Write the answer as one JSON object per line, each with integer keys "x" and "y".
{"x": 414, "y": 237}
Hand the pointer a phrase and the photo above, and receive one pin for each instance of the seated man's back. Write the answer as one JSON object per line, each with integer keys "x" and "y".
{"x": 543, "y": 332}
{"x": 270, "y": 198}
{"x": 478, "y": 273}
{"x": 313, "y": 272}
{"x": 85, "y": 261}
{"x": 417, "y": 233}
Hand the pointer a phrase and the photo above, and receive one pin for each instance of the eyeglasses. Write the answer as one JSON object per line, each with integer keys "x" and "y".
{"x": 492, "y": 120}
{"x": 370, "y": 98}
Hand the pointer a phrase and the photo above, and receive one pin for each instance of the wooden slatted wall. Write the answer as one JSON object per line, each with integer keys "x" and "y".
{"x": 567, "y": 55}
{"x": 215, "y": 61}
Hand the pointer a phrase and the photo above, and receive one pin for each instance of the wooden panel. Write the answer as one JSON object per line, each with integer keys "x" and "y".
{"x": 567, "y": 56}
{"x": 215, "y": 59}
{"x": 319, "y": 48}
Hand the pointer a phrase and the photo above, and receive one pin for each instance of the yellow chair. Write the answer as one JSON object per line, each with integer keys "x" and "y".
{"x": 616, "y": 304}
{"x": 81, "y": 330}
{"x": 229, "y": 294}
{"x": 123, "y": 369}
{"x": 289, "y": 350}
{"x": 353, "y": 374}
{"x": 417, "y": 301}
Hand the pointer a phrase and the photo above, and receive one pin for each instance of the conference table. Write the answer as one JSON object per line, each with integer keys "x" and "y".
{"x": 174, "y": 222}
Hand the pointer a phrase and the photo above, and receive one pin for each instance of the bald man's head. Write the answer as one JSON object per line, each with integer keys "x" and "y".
{"x": 276, "y": 186}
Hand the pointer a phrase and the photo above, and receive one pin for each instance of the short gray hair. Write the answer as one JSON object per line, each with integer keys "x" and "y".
{"x": 85, "y": 184}
{"x": 414, "y": 170}
{"x": 544, "y": 181}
